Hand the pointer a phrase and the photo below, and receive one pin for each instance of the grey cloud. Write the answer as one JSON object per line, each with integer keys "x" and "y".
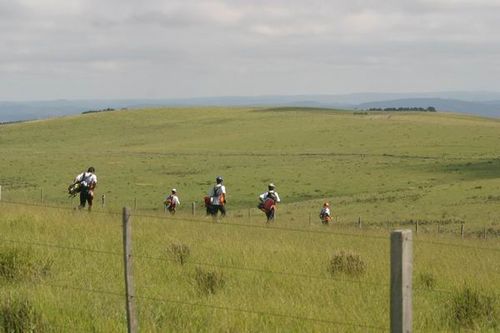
{"x": 229, "y": 47}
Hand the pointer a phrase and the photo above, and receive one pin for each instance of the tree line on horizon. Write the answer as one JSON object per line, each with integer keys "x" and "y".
{"x": 420, "y": 109}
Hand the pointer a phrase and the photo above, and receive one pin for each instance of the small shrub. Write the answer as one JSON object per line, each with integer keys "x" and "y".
{"x": 346, "y": 262}
{"x": 427, "y": 280}
{"x": 19, "y": 316}
{"x": 21, "y": 264}
{"x": 209, "y": 282}
{"x": 16, "y": 264}
{"x": 469, "y": 306}
{"x": 179, "y": 252}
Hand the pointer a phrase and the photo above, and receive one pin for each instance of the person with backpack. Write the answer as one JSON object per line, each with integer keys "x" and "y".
{"x": 172, "y": 201}
{"x": 87, "y": 182}
{"x": 268, "y": 201}
{"x": 216, "y": 199}
{"x": 325, "y": 214}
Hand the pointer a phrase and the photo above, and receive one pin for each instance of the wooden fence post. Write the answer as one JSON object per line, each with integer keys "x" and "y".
{"x": 401, "y": 281}
{"x": 462, "y": 230}
{"x": 193, "y": 208}
{"x": 103, "y": 200}
{"x": 416, "y": 226}
{"x": 0, "y": 192}
{"x": 129, "y": 278}
{"x": 309, "y": 218}
{"x": 359, "y": 222}
{"x": 484, "y": 233}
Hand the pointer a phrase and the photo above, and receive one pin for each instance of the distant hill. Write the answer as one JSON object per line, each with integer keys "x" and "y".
{"x": 18, "y": 111}
{"x": 476, "y": 103}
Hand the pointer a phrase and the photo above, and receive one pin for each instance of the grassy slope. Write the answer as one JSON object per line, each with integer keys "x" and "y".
{"x": 384, "y": 168}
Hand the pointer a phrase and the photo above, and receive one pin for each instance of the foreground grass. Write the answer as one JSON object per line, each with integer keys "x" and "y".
{"x": 276, "y": 278}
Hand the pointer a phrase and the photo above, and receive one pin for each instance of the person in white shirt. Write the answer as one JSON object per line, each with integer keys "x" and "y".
{"x": 325, "y": 214}
{"x": 88, "y": 182}
{"x": 172, "y": 201}
{"x": 268, "y": 201}
{"x": 217, "y": 198}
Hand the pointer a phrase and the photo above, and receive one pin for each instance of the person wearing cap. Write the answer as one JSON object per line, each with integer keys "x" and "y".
{"x": 325, "y": 214}
{"x": 172, "y": 201}
{"x": 217, "y": 198}
{"x": 87, "y": 181}
{"x": 268, "y": 201}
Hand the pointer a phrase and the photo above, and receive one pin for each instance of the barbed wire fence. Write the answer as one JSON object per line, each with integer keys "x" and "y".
{"x": 128, "y": 257}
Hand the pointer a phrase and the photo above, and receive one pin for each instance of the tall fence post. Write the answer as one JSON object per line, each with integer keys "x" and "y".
{"x": 462, "y": 230}
{"x": 193, "y": 208}
{"x": 103, "y": 200}
{"x": 0, "y": 192}
{"x": 129, "y": 281}
{"x": 401, "y": 281}
{"x": 359, "y": 222}
{"x": 416, "y": 226}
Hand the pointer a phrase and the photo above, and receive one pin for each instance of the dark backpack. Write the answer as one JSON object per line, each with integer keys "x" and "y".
{"x": 272, "y": 195}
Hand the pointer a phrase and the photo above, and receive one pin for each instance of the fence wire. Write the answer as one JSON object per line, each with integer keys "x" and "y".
{"x": 63, "y": 247}
{"x": 257, "y": 226}
{"x": 264, "y": 271}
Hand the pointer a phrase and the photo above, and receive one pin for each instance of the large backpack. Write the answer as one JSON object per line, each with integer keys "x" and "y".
{"x": 268, "y": 204}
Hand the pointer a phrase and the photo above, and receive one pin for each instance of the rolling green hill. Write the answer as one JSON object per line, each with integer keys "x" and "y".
{"x": 383, "y": 167}
{"x": 64, "y": 267}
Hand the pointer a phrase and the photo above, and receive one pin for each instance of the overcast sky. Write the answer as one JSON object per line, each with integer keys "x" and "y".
{"x": 51, "y": 49}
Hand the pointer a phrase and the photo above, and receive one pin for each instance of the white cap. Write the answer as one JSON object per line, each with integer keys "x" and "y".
{"x": 174, "y": 190}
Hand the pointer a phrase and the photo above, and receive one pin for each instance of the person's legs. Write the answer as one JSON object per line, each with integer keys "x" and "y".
{"x": 83, "y": 199}
{"x": 90, "y": 199}
{"x": 269, "y": 215}
{"x": 213, "y": 210}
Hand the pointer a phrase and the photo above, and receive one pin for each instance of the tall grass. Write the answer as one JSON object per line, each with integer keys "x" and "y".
{"x": 239, "y": 275}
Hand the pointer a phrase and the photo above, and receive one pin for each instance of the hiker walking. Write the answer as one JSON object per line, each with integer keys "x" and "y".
{"x": 172, "y": 201}
{"x": 216, "y": 199}
{"x": 325, "y": 214}
{"x": 268, "y": 201}
{"x": 88, "y": 182}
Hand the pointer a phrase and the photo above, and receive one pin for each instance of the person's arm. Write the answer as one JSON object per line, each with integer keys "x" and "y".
{"x": 93, "y": 182}
{"x": 262, "y": 197}
{"x": 277, "y": 197}
{"x": 78, "y": 178}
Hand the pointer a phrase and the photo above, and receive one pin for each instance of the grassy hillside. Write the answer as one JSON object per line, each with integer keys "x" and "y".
{"x": 384, "y": 168}
{"x": 387, "y": 169}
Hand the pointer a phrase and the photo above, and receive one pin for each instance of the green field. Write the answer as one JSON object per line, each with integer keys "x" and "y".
{"x": 387, "y": 170}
